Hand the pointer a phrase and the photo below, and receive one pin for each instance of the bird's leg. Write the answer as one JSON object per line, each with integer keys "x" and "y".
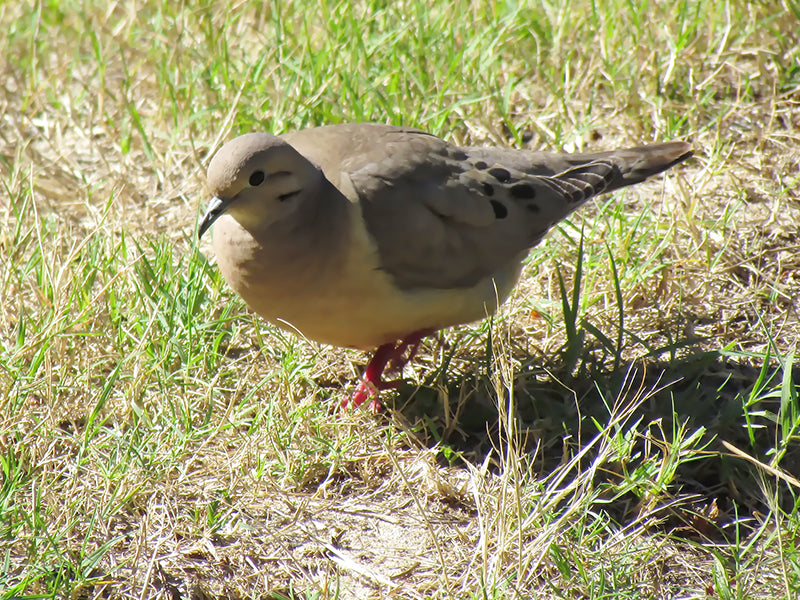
{"x": 412, "y": 343}
{"x": 372, "y": 382}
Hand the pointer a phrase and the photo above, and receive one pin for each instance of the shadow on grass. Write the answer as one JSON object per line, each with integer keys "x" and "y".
{"x": 686, "y": 410}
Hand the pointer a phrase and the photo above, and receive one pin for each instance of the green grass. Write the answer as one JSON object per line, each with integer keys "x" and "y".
{"x": 627, "y": 426}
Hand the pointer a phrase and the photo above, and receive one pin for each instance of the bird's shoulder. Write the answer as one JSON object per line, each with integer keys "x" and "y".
{"x": 369, "y": 149}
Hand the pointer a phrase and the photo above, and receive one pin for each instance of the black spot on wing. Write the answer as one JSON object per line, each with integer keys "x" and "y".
{"x": 502, "y": 175}
{"x": 488, "y": 189}
{"x": 523, "y": 191}
{"x": 500, "y": 211}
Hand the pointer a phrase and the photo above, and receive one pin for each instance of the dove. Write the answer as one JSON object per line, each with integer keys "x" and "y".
{"x": 364, "y": 235}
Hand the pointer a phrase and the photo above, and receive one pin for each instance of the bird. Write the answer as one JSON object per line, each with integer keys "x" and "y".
{"x": 364, "y": 235}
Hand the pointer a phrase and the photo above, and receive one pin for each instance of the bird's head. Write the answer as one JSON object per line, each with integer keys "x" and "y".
{"x": 258, "y": 179}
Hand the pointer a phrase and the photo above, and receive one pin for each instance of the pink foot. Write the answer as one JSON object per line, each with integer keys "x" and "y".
{"x": 372, "y": 383}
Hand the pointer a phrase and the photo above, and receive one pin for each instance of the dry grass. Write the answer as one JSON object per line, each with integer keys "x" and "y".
{"x": 157, "y": 440}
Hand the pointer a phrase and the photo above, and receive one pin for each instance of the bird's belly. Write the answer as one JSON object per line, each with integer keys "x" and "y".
{"x": 345, "y": 298}
{"x": 365, "y": 316}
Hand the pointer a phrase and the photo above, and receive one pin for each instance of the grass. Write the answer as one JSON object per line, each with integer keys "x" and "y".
{"x": 627, "y": 426}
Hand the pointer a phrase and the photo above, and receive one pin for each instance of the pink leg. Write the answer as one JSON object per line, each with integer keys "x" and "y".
{"x": 372, "y": 382}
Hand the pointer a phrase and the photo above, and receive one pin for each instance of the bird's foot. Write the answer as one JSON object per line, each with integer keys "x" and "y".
{"x": 368, "y": 390}
{"x": 372, "y": 383}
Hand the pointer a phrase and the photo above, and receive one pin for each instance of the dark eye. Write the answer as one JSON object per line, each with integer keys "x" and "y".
{"x": 257, "y": 178}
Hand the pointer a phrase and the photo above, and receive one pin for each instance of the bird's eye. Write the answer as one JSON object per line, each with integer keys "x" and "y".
{"x": 257, "y": 178}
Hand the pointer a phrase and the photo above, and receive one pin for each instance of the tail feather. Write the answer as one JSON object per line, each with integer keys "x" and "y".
{"x": 637, "y": 164}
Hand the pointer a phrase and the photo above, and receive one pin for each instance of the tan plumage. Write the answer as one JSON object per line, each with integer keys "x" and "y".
{"x": 360, "y": 235}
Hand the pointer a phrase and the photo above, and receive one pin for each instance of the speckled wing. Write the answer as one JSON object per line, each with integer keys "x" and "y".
{"x": 444, "y": 216}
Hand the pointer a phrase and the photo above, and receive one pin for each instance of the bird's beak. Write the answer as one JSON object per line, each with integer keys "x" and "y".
{"x": 214, "y": 211}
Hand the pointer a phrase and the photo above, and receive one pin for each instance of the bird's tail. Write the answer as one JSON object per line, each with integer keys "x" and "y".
{"x": 633, "y": 165}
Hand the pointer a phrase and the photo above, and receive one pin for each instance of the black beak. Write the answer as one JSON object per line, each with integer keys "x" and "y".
{"x": 215, "y": 210}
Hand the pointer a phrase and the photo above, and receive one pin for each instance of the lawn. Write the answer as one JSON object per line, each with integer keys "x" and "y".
{"x": 627, "y": 426}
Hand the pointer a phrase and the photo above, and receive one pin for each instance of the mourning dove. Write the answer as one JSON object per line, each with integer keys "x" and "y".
{"x": 360, "y": 235}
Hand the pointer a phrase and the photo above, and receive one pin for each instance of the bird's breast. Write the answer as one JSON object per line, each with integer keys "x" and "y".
{"x": 339, "y": 294}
